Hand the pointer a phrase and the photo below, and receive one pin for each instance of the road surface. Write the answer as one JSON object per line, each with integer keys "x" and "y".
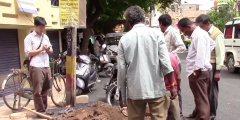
{"x": 229, "y": 97}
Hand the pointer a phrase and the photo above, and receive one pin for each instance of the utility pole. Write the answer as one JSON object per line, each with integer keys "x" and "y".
{"x": 72, "y": 16}
{"x": 71, "y": 66}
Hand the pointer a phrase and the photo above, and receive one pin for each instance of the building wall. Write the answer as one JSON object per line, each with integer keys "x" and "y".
{"x": 12, "y": 18}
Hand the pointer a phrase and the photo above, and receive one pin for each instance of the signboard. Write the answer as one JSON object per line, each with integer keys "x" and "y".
{"x": 73, "y": 13}
{"x": 27, "y": 6}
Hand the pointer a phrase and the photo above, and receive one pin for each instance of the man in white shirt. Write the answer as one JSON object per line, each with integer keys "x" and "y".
{"x": 198, "y": 65}
{"x": 37, "y": 47}
{"x": 174, "y": 44}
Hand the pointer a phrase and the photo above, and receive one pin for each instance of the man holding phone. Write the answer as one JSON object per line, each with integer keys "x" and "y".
{"x": 37, "y": 47}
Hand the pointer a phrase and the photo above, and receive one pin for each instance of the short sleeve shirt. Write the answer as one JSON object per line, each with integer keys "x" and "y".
{"x": 31, "y": 42}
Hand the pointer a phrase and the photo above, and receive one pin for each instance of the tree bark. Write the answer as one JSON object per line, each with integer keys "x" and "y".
{"x": 91, "y": 19}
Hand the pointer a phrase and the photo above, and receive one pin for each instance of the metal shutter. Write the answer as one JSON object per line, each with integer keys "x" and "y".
{"x": 9, "y": 52}
{"x": 54, "y": 39}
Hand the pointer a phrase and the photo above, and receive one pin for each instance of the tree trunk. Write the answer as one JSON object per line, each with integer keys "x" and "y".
{"x": 91, "y": 19}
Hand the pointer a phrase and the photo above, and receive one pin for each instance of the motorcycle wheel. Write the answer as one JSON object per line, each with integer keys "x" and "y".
{"x": 110, "y": 95}
{"x": 78, "y": 91}
{"x": 109, "y": 71}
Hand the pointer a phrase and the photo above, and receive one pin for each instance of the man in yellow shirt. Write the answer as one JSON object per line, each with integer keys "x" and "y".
{"x": 217, "y": 61}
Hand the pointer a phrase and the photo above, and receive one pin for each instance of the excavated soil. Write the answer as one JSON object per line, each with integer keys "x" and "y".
{"x": 96, "y": 111}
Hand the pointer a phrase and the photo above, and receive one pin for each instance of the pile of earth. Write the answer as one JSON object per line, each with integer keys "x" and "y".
{"x": 96, "y": 111}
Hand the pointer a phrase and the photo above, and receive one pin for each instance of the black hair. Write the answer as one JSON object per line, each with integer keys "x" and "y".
{"x": 134, "y": 15}
{"x": 203, "y": 18}
{"x": 184, "y": 22}
{"x": 165, "y": 19}
{"x": 38, "y": 21}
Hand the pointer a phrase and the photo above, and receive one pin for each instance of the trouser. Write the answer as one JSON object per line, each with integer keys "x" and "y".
{"x": 137, "y": 108}
{"x": 40, "y": 79}
{"x": 199, "y": 86}
{"x": 180, "y": 96}
{"x": 213, "y": 93}
{"x": 172, "y": 105}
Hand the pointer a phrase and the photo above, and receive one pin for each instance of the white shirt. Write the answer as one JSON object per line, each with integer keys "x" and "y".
{"x": 31, "y": 42}
{"x": 143, "y": 60}
{"x": 174, "y": 41}
{"x": 199, "y": 52}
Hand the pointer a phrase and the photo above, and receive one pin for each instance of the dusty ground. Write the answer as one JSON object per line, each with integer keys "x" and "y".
{"x": 96, "y": 111}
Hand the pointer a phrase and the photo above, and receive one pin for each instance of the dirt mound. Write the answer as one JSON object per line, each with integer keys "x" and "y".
{"x": 96, "y": 111}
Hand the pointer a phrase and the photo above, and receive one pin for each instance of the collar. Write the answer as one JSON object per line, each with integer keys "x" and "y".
{"x": 210, "y": 31}
{"x": 139, "y": 25}
{"x": 35, "y": 33}
{"x": 195, "y": 31}
{"x": 169, "y": 28}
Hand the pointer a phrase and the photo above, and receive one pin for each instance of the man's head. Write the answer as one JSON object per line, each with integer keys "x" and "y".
{"x": 164, "y": 20}
{"x": 186, "y": 26}
{"x": 134, "y": 15}
{"x": 39, "y": 24}
{"x": 203, "y": 21}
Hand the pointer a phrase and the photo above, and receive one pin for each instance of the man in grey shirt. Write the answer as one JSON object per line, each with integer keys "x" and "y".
{"x": 143, "y": 60}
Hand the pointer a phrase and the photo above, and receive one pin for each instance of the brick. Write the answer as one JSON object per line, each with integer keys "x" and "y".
{"x": 82, "y": 99}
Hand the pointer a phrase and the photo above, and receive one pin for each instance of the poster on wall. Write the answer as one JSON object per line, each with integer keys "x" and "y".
{"x": 73, "y": 13}
{"x": 27, "y": 6}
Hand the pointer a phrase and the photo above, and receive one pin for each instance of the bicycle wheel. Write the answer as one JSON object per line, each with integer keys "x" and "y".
{"x": 58, "y": 89}
{"x": 13, "y": 87}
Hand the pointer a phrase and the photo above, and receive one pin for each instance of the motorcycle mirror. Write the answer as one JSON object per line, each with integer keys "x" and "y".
{"x": 104, "y": 46}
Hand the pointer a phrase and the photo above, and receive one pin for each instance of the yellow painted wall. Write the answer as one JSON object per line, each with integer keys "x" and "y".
{"x": 22, "y": 33}
{"x": 22, "y": 20}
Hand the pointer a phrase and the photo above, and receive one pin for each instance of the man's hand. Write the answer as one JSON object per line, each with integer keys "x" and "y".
{"x": 44, "y": 47}
{"x": 173, "y": 92}
{"x": 217, "y": 76}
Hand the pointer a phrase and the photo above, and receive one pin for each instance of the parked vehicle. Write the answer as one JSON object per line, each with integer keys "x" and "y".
{"x": 104, "y": 64}
{"x": 18, "y": 92}
{"x": 86, "y": 74}
{"x": 112, "y": 94}
{"x": 113, "y": 38}
{"x": 232, "y": 45}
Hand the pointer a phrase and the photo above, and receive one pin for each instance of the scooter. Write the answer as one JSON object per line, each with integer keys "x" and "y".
{"x": 86, "y": 74}
{"x": 105, "y": 62}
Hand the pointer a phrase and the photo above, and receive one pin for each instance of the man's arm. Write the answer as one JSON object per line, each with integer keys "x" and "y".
{"x": 212, "y": 44}
{"x": 165, "y": 62}
{"x": 201, "y": 51}
{"x": 29, "y": 52}
{"x": 220, "y": 52}
{"x": 121, "y": 76}
{"x": 49, "y": 49}
{"x": 178, "y": 43}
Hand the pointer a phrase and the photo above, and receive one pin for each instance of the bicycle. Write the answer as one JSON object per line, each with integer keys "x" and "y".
{"x": 21, "y": 89}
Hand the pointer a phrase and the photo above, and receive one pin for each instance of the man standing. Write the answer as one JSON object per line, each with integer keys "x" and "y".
{"x": 217, "y": 61}
{"x": 172, "y": 105}
{"x": 174, "y": 44}
{"x": 37, "y": 47}
{"x": 143, "y": 61}
{"x": 198, "y": 65}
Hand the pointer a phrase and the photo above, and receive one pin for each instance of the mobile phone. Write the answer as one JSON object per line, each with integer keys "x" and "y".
{"x": 50, "y": 46}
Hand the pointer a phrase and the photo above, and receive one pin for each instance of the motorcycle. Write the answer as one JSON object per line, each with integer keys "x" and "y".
{"x": 112, "y": 94}
{"x": 105, "y": 62}
{"x": 86, "y": 74}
